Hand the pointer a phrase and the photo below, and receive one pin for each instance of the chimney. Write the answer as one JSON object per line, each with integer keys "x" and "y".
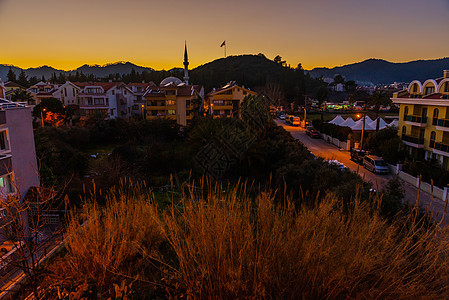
{"x": 446, "y": 73}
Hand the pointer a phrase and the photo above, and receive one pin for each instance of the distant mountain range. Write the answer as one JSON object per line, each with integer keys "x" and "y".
{"x": 370, "y": 71}
{"x": 97, "y": 70}
{"x": 378, "y": 71}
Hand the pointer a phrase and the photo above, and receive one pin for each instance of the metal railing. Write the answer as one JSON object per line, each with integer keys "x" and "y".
{"x": 416, "y": 119}
{"x": 413, "y": 139}
{"x": 443, "y": 122}
{"x": 441, "y": 147}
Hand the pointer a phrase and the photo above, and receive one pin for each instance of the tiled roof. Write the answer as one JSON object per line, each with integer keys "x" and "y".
{"x": 106, "y": 85}
{"x": 13, "y": 84}
{"x": 142, "y": 84}
{"x": 433, "y": 96}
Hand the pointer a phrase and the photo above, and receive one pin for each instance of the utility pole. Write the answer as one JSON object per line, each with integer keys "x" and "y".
{"x": 42, "y": 116}
{"x": 363, "y": 129}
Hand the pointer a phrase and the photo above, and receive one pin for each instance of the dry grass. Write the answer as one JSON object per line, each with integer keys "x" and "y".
{"x": 227, "y": 245}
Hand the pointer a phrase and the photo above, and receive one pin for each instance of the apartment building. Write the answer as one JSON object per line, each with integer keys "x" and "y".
{"x": 173, "y": 99}
{"x": 424, "y": 118}
{"x": 226, "y": 101}
{"x": 112, "y": 99}
{"x": 138, "y": 89}
{"x": 18, "y": 164}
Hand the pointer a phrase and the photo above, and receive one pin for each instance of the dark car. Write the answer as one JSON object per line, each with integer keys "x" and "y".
{"x": 357, "y": 155}
{"x": 312, "y": 132}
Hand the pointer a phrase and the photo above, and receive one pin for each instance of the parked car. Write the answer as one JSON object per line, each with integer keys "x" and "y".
{"x": 312, "y": 132}
{"x": 357, "y": 155}
{"x": 375, "y": 164}
{"x": 340, "y": 166}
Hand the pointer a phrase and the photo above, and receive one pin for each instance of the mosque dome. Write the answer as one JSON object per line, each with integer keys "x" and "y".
{"x": 172, "y": 80}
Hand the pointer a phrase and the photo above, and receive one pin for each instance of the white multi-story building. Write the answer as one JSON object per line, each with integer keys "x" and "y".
{"x": 112, "y": 99}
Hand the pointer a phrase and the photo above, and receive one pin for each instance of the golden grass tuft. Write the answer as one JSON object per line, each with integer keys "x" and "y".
{"x": 228, "y": 245}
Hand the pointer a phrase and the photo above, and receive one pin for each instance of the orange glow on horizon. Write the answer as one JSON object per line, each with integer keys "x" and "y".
{"x": 68, "y": 34}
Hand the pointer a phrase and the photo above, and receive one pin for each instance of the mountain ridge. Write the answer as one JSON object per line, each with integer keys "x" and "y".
{"x": 369, "y": 71}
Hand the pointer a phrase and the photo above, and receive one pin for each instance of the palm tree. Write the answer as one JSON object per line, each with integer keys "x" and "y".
{"x": 377, "y": 99}
{"x": 22, "y": 96}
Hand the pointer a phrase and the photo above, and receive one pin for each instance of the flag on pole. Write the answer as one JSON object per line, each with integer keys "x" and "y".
{"x": 223, "y": 44}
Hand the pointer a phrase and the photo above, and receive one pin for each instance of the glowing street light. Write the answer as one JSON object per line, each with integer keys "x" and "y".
{"x": 143, "y": 114}
{"x": 42, "y": 117}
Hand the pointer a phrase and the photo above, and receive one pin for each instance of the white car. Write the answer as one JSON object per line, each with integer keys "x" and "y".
{"x": 340, "y": 166}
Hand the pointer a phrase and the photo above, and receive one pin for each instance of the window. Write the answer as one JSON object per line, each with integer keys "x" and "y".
{"x": 404, "y": 130}
{"x": 218, "y": 102}
{"x": 65, "y": 92}
{"x": 73, "y": 92}
{"x": 171, "y": 112}
{"x": 99, "y": 101}
{"x": 107, "y": 101}
{"x": 405, "y": 112}
{"x": 4, "y": 144}
{"x": 415, "y": 88}
{"x": 113, "y": 92}
{"x": 430, "y": 90}
{"x": 424, "y": 114}
{"x": 432, "y": 139}
{"x": 170, "y": 102}
{"x": 6, "y": 183}
{"x": 89, "y": 101}
{"x": 446, "y": 87}
{"x": 435, "y": 116}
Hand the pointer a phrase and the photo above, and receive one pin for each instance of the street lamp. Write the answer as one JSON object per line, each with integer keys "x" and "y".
{"x": 42, "y": 117}
{"x": 143, "y": 116}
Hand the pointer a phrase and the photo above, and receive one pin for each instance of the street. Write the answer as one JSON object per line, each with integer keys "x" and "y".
{"x": 321, "y": 148}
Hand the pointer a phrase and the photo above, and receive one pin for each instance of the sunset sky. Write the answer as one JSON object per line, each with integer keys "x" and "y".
{"x": 66, "y": 34}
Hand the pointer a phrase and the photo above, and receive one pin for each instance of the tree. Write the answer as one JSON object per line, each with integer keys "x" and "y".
{"x": 32, "y": 233}
{"x": 278, "y": 60}
{"x": 274, "y": 92}
{"x": 22, "y": 96}
{"x": 11, "y": 75}
{"x": 23, "y": 79}
{"x": 339, "y": 79}
{"x": 321, "y": 94}
{"x": 52, "y": 110}
{"x": 350, "y": 86}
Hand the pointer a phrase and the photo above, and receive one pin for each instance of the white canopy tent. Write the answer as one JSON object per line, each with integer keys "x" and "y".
{"x": 382, "y": 124}
{"x": 349, "y": 122}
{"x": 337, "y": 120}
{"x": 358, "y": 126}
{"x": 395, "y": 123}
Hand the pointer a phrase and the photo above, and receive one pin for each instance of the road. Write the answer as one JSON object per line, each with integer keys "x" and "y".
{"x": 321, "y": 148}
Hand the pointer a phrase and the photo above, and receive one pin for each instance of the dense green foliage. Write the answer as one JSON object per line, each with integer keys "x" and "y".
{"x": 387, "y": 144}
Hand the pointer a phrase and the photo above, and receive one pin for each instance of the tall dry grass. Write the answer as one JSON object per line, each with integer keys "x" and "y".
{"x": 229, "y": 245}
{"x": 114, "y": 239}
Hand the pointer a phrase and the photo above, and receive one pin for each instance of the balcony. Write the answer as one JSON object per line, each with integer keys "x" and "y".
{"x": 412, "y": 141}
{"x": 5, "y": 164}
{"x": 440, "y": 148}
{"x": 442, "y": 124}
{"x": 414, "y": 120}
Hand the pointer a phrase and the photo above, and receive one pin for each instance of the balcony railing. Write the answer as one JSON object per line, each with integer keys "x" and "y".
{"x": 441, "y": 147}
{"x": 443, "y": 123}
{"x": 413, "y": 139}
{"x": 416, "y": 119}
